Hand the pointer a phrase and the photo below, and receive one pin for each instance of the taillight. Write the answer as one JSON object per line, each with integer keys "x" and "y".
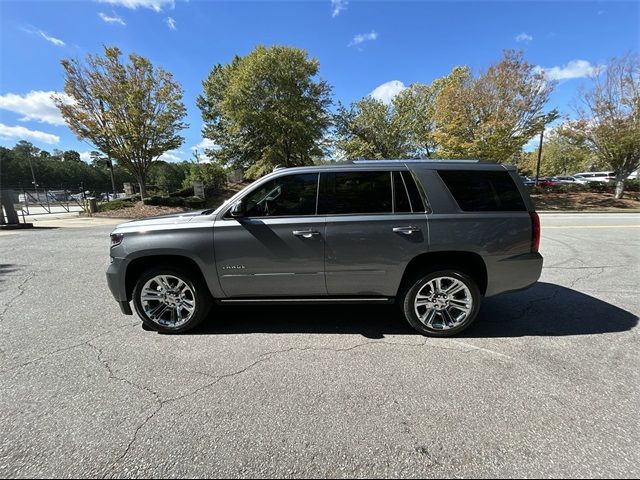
{"x": 535, "y": 237}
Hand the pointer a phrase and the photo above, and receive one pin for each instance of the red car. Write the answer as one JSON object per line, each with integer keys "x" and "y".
{"x": 547, "y": 182}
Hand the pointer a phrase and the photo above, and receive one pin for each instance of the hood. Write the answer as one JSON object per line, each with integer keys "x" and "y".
{"x": 163, "y": 220}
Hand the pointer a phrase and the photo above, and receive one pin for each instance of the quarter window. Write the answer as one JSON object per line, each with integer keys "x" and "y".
{"x": 483, "y": 191}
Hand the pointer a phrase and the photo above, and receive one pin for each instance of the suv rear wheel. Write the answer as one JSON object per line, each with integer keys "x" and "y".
{"x": 441, "y": 303}
{"x": 171, "y": 300}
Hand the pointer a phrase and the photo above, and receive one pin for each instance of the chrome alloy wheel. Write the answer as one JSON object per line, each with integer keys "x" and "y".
{"x": 443, "y": 303}
{"x": 168, "y": 301}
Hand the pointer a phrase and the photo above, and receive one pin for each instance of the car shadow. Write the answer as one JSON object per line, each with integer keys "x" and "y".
{"x": 543, "y": 310}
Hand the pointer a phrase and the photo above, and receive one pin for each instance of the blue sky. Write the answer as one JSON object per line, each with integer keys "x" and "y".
{"x": 363, "y": 47}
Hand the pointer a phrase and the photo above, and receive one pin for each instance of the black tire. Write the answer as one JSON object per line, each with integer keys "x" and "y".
{"x": 201, "y": 294}
{"x": 416, "y": 283}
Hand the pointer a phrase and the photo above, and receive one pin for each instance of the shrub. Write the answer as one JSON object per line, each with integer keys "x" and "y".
{"x": 601, "y": 187}
{"x": 187, "y": 202}
{"x": 632, "y": 185}
{"x": 114, "y": 205}
{"x": 184, "y": 192}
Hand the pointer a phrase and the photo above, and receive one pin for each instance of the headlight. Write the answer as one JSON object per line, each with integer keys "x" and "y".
{"x": 116, "y": 239}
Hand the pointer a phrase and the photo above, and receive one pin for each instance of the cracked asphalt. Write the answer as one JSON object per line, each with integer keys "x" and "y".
{"x": 544, "y": 384}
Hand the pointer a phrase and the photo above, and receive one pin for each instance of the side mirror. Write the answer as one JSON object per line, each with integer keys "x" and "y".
{"x": 237, "y": 210}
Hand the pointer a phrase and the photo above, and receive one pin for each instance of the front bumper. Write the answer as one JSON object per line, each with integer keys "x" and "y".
{"x": 116, "y": 280}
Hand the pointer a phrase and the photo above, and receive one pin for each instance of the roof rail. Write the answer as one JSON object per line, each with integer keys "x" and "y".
{"x": 426, "y": 160}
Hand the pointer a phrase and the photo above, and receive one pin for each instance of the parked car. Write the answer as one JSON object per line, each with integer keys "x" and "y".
{"x": 567, "y": 180}
{"x": 528, "y": 181}
{"x": 547, "y": 182}
{"x": 423, "y": 234}
{"x": 595, "y": 176}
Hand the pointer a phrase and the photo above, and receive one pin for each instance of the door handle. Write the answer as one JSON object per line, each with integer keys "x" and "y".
{"x": 305, "y": 233}
{"x": 406, "y": 230}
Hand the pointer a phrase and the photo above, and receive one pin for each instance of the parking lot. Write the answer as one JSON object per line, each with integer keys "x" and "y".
{"x": 545, "y": 383}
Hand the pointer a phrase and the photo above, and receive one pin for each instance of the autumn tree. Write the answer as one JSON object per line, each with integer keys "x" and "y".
{"x": 265, "y": 109}
{"x": 492, "y": 116}
{"x": 131, "y": 111}
{"x": 609, "y": 117}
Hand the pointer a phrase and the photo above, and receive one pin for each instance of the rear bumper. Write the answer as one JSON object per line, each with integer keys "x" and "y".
{"x": 116, "y": 280}
{"x": 506, "y": 274}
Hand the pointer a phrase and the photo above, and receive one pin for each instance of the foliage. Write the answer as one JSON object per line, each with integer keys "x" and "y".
{"x": 131, "y": 112}
{"x": 167, "y": 177}
{"x": 114, "y": 205}
{"x": 372, "y": 130}
{"x": 212, "y": 174}
{"x": 51, "y": 170}
{"x": 493, "y": 116}
{"x": 265, "y": 109}
{"x": 609, "y": 117}
{"x": 188, "y": 202}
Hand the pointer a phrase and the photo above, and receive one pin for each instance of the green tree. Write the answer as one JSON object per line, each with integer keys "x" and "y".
{"x": 212, "y": 174}
{"x": 71, "y": 156}
{"x": 265, "y": 109}
{"x": 371, "y": 129}
{"x": 493, "y": 116}
{"x": 609, "y": 117}
{"x": 131, "y": 112}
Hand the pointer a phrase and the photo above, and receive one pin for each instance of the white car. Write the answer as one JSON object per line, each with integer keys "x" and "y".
{"x": 604, "y": 177}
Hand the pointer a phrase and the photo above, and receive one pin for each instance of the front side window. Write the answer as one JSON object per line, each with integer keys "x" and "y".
{"x": 355, "y": 192}
{"x": 292, "y": 195}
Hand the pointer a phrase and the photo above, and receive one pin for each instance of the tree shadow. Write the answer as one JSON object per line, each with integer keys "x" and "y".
{"x": 543, "y": 310}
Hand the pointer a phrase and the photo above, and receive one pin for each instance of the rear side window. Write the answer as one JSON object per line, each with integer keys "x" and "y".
{"x": 355, "y": 192}
{"x": 483, "y": 191}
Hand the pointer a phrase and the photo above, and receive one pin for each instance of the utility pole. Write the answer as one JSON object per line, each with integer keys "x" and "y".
{"x": 113, "y": 182}
{"x": 539, "y": 156}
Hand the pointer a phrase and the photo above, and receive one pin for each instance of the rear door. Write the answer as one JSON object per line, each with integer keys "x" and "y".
{"x": 375, "y": 224}
{"x": 277, "y": 249}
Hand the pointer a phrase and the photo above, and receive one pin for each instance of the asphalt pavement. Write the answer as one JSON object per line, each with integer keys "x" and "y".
{"x": 544, "y": 384}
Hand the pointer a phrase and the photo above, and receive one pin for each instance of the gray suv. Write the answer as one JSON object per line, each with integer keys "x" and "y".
{"x": 433, "y": 236}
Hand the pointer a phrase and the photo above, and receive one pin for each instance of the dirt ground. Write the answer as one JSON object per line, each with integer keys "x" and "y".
{"x": 589, "y": 201}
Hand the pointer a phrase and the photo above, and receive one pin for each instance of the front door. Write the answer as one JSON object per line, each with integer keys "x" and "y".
{"x": 277, "y": 248}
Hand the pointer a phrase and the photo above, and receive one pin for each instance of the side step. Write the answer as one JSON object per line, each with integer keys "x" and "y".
{"x": 303, "y": 300}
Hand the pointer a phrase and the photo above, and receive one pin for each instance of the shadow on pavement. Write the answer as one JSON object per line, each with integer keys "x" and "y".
{"x": 8, "y": 269}
{"x": 543, "y": 310}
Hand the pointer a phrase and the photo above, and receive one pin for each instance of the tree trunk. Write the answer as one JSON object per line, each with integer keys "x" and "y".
{"x": 143, "y": 188}
{"x": 619, "y": 186}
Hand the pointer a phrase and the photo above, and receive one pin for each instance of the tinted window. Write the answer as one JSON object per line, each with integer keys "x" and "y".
{"x": 290, "y": 195}
{"x": 400, "y": 195}
{"x": 482, "y": 191}
{"x": 414, "y": 195}
{"x": 355, "y": 192}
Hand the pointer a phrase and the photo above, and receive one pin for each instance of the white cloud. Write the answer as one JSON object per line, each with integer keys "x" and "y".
{"x": 21, "y": 133}
{"x": 85, "y": 157}
{"x": 171, "y": 23}
{"x": 172, "y": 156}
{"x": 113, "y": 19}
{"x": 156, "y": 5}
{"x": 523, "y": 37}
{"x": 363, "y": 37}
{"x": 36, "y": 105}
{"x": 338, "y": 6}
{"x": 387, "y": 91}
{"x": 205, "y": 144}
{"x": 573, "y": 69}
{"x": 56, "y": 41}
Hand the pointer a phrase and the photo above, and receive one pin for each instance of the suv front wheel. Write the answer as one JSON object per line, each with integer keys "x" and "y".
{"x": 441, "y": 303}
{"x": 171, "y": 300}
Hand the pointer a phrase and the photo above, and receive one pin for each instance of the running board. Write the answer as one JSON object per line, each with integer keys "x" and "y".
{"x": 308, "y": 300}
